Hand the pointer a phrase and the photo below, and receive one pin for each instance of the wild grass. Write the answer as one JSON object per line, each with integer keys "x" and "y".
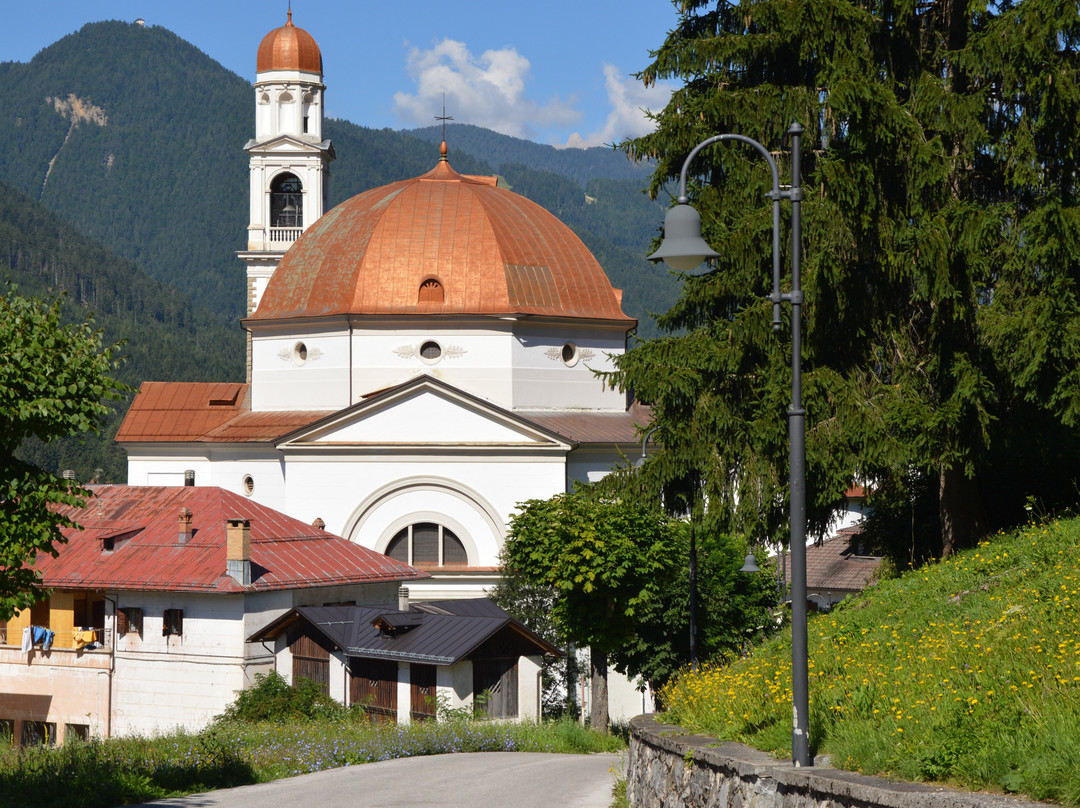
{"x": 119, "y": 771}
{"x": 965, "y": 672}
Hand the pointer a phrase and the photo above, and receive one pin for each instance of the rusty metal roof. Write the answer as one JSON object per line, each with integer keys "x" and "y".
{"x": 835, "y": 565}
{"x": 593, "y": 427}
{"x": 147, "y": 554}
{"x": 200, "y": 412}
{"x": 289, "y": 48}
{"x": 441, "y": 243}
{"x": 440, "y": 633}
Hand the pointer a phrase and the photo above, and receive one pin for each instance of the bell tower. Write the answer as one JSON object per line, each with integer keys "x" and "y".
{"x": 289, "y": 159}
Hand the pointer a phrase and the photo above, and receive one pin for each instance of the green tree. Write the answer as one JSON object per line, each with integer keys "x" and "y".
{"x": 54, "y": 382}
{"x": 607, "y": 562}
{"x": 941, "y": 242}
{"x": 734, "y": 610}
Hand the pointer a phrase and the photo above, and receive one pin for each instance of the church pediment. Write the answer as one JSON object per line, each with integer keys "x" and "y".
{"x": 425, "y": 414}
{"x": 288, "y": 144}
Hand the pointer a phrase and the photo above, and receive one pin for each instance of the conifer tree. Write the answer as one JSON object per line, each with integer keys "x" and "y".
{"x": 941, "y": 244}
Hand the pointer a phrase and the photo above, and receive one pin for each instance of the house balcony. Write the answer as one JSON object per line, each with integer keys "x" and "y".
{"x": 92, "y": 659}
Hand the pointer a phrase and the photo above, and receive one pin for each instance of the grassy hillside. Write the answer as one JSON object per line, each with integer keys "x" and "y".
{"x": 965, "y": 672}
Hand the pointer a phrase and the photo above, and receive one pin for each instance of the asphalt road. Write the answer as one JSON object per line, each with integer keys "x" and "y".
{"x": 476, "y": 780}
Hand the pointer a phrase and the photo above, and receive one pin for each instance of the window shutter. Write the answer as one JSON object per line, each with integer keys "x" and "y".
{"x": 121, "y": 622}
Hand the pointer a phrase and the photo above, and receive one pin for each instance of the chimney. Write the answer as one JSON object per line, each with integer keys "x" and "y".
{"x": 185, "y": 526}
{"x": 403, "y": 599}
{"x": 318, "y": 524}
{"x": 189, "y": 477}
{"x": 238, "y": 550}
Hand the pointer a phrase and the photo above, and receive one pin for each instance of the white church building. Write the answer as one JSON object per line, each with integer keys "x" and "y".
{"x": 421, "y": 357}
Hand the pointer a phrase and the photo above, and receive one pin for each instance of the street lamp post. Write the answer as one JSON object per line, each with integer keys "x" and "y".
{"x": 683, "y": 248}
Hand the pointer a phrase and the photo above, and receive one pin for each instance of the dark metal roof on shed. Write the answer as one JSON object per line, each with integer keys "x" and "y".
{"x": 438, "y": 633}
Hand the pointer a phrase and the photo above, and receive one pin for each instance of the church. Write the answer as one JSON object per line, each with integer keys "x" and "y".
{"x": 421, "y": 358}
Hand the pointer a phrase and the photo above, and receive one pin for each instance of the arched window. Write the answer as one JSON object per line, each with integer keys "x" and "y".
{"x": 286, "y": 201}
{"x": 427, "y": 544}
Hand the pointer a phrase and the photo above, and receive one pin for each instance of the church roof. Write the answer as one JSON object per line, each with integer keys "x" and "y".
{"x": 440, "y": 244}
{"x": 147, "y": 554}
{"x": 202, "y": 412}
{"x": 289, "y": 48}
{"x": 197, "y": 412}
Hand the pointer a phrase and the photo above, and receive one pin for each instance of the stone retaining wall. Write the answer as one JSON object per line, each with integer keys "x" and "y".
{"x": 668, "y": 768}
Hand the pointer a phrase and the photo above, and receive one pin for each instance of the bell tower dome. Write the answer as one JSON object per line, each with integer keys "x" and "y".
{"x": 289, "y": 159}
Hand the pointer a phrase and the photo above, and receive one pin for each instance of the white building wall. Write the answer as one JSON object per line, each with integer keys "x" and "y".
{"x": 165, "y": 682}
{"x": 543, "y": 380}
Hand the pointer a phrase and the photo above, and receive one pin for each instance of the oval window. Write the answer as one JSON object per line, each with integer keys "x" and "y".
{"x": 430, "y": 352}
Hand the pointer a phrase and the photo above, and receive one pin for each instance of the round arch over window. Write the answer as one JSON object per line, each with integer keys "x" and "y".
{"x": 286, "y": 201}
{"x": 427, "y": 544}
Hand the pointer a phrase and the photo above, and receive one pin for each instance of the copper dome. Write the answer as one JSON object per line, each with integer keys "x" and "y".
{"x": 289, "y": 48}
{"x": 441, "y": 243}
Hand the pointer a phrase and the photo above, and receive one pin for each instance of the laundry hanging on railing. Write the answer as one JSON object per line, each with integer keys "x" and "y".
{"x": 37, "y": 635}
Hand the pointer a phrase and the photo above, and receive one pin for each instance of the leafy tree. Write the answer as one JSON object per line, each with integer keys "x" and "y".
{"x": 606, "y": 561}
{"x": 941, "y": 242}
{"x": 733, "y": 610}
{"x": 54, "y": 382}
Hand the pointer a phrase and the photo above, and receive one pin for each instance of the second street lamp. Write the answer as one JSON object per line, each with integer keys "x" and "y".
{"x": 683, "y": 249}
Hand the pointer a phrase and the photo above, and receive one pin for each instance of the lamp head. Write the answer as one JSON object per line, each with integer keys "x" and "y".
{"x": 750, "y": 564}
{"x": 683, "y": 248}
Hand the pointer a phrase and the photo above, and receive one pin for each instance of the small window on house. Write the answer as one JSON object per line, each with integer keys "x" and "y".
{"x": 249, "y": 485}
{"x": 38, "y": 733}
{"x": 305, "y": 124}
{"x": 264, "y": 98}
{"x": 172, "y": 622}
{"x": 285, "y": 98}
{"x": 299, "y": 354}
{"x": 427, "y": 544}
{"x": 7, "y": 731}
{"x": 73, "y": 731}
{"x": 430, "y": 352}
{"x": 570, "y": 354}
{"x": 129, "y": 620}
{"x": 3, "y": 632}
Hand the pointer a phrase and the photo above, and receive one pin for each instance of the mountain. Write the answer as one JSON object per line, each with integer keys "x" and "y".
{"x": 134, "y": 137}
{"x": 163, "y": 337}
{"x": 580, "y": 165}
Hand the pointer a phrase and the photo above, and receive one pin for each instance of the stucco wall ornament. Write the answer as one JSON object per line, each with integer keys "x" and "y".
{"x": 556, "y": 354}
{"x": 413, "y": 352}
{"x": 289, "y": 354}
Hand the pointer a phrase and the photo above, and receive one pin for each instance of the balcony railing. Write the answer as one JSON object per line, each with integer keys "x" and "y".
{"x": 285, "y": 235}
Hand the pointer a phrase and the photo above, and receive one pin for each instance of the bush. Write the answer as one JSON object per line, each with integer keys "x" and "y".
{"x": 271, "y": 698}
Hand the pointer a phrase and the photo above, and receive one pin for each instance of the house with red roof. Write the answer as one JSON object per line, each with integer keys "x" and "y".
{"x": 152, "y": 603}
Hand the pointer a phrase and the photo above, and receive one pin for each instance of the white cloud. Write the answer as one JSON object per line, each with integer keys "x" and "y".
{"x": 487, "y": 91}
{"x": 628, "y": 98}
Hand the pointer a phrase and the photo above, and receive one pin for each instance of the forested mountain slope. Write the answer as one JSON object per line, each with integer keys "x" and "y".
{"x": 164, "y": 337}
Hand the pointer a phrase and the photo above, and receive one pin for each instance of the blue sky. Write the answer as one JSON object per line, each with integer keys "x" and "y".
{"x": 554, "y": 71}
